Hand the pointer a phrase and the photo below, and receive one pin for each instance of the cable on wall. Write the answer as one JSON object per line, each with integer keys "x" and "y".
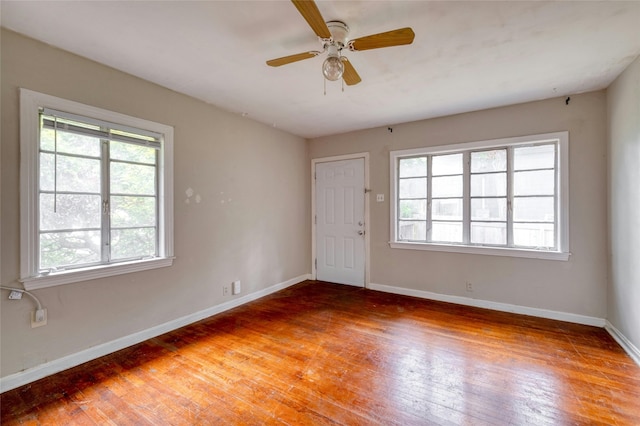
{"x": 28, "y": 293}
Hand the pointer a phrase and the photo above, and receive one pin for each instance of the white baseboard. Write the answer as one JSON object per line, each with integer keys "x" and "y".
{"x": 496, "y": 306}
{"x": 15, "y": 380}
{"x": 622, "y": 340}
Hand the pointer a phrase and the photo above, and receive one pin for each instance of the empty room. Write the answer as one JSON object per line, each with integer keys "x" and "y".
{"x": 329, "y": 212}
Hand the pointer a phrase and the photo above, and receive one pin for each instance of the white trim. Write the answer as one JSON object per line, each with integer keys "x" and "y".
{"x": 489, "y": 143}
{"x": 563, "y": 253}
{"x": 30, "y": 103}
{"x": 28, "y": 182}
{"x": 563, "y": 195}
{"x": 622, "y": 340}
{"x": 491, "y": 251}
{"x": 15, "y": 380}
{"x": 92, "y": 273}
{"x": 496, "y": 306}
{"x": 367, "y": 227}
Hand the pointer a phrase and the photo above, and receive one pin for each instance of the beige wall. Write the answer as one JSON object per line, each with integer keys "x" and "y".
{"x": 623, "y": 102}
{"x": 260, "y": 233}
{"x": 252, "y": 223}
{"x": 577, "y": 286}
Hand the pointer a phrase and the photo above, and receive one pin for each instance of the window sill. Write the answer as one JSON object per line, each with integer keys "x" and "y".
{"x": 491, "y": 251}
{"x": 102, "y": 271}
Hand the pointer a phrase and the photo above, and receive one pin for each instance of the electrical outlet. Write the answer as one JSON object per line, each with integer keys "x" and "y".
{"x": 225, "y": 290}
{"x": 236, "y": 287}
{"x": 469, "y": 286}
{"x": 38, "y": 318}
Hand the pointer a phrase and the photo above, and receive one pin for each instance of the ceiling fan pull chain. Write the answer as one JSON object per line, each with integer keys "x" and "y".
{"x": 324, "y": 80}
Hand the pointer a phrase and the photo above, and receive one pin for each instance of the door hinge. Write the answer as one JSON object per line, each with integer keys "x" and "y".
{"x": 316, "y": 263}
{"x": 315, "y": 219}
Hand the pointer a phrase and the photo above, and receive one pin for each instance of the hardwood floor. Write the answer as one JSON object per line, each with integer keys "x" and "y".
{"x": 320, "y": 353}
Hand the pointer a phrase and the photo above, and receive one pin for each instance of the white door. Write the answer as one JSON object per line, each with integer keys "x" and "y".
{"x": 340, "y": 248}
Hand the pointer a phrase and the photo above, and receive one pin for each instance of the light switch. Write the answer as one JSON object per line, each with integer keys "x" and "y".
{"x": 379, "y": 198}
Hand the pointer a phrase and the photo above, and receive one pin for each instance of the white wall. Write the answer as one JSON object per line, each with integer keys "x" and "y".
{"x": 252, "y": 223}
{"x": 577, "y": 286}
{"x": 623, "y": 111}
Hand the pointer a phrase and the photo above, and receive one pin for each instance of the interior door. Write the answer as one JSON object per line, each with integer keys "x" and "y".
{"x": 340, "y": 243}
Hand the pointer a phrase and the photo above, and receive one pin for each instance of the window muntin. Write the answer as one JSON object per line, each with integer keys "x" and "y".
{"x": 534, "y": 196}
{"x": 96, "y": 192}
{"x": 412, "y": 198}
{"x": 502, "y": 194}
{"x": 488, "y": 197}
{"x": 446, "y": 198}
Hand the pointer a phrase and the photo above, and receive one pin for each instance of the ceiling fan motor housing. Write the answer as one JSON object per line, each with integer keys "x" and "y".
{"x": 339, "y": 33}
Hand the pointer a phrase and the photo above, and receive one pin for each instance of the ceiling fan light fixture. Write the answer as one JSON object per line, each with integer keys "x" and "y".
{"x": 334, "y": 37}
{"x": 333, "y": 68}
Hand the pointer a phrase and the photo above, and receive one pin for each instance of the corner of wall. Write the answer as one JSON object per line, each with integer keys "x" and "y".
{"x": 623, "y": 146}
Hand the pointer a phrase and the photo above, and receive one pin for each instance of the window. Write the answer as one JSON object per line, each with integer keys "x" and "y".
{"x": 502, "y": 197}
{"x": 96, "y": 192}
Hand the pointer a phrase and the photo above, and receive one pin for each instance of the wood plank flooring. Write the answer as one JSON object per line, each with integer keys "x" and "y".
{"x": 319, "y": 353}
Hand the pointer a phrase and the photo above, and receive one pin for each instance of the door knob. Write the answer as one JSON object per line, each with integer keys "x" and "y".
{"x": 361, "y": 232}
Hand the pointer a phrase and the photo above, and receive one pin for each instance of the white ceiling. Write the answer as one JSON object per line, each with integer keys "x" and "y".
{"x": 466, "y": 55}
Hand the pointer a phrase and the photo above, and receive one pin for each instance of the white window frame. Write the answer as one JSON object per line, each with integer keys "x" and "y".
{"x": 562, "y": 184}
{"x": 30, "y": 105}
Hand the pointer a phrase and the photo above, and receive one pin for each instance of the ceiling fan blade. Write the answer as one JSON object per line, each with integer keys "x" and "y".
{"x": 309, "y": 11}
{"x": 291, "y": 58}
{"x": 350, "y": 76}
{"x": 388, "y": 39}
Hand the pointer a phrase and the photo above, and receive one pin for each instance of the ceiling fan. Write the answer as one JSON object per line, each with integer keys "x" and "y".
{"x": 334, "y": 38}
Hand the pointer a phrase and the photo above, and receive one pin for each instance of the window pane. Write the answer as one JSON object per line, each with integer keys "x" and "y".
{"x": 488, "y": 209}
{"x": 534, "y": 157}
{"x": 133, "y": 179}
{"x": 413, "y": 209}
{"x": 69, "y": 143}
{"x": 446, "y": 232}
{"x": 533, "y": 209}
{"x": 489, "y": 161}
{"x": 489, "y": 233}
{"x": 128, "y": 152}
{"x": 133, "y": 243}
{"x": 447, "y": 164}
{"x": 73, "y": 211}
{"x": 133, "y": 211}
{"x": 74, "y": 174}
{"x": 413, "y": 188}
{"x": 69, "y": 248}
{"x": 410, "y": 167}
{"x": 534, "y": 235}
{"x": 494, "y": 184}
{"x": 449, "y": 209}
{"x": 541, "y": 182}
{"x": 448, "y": 186}
{"x": 412, "y": 231}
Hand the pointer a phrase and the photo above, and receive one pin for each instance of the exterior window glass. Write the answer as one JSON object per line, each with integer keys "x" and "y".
{"x": 504, "y": 194}
{"x": 98, "y": 196}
